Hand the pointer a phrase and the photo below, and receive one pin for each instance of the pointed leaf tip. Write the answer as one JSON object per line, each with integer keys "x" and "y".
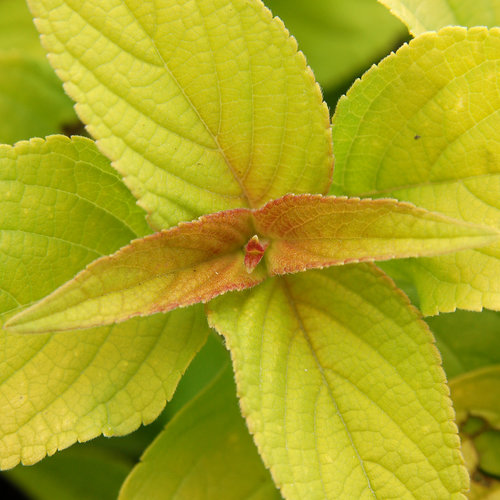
{"x": 314, "y": 231}
{"x": 190, "y": 263}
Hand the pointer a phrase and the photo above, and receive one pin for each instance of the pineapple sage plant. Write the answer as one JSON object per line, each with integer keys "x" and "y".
{"x": 217, "y": 194}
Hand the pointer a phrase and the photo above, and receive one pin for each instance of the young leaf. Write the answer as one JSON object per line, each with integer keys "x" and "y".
{"x": 202, "y": 106}
{"x": 342, "y": 404}
{"x": 311, "y": 231}
{"x": 190, "y": 263}
{"x": 204, "y": 452}
{"x": 432, "y": 15}
{"x": 339, "y": 38}
{"x": 421, "y": 127}
{"x": 61, "y": 206}
{"x": 194, "y": 262}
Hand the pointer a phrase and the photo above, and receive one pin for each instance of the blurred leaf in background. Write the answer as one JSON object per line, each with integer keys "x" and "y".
{"x": 32, "y": 100}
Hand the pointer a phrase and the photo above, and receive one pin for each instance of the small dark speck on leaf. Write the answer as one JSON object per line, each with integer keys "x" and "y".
{"x": 417, "y": 137}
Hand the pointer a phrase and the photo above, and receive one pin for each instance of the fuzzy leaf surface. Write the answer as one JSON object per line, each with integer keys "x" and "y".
{"x": 204, "y": 452}
{"x": 341, "y": 404}
{"x": 61, "y": 207}
{"x": 311, "y": 231}
{"x": 190, "y": 263}
{"x": 209, "y": 106}
{"x": 432, "y": 15}
{"x": 422, "y": 127}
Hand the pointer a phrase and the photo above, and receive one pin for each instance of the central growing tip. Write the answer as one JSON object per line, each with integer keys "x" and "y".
{"x": 254, "y": 251}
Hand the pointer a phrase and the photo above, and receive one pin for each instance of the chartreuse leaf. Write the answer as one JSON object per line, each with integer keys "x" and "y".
{"x": 32, "y": 101}
{"x": 311, "y": 231}
{"x": 204, "y": 452}
{"x": 432, "y": 15}
{"x": 422, "y": 127}
{"x": 61, "y": 206}
{"x": 190, "y": 263}
{"x": 202, "y": 106}
{"x": 342, "y": 404}
{"x": 197, "y": 261}
{"x": 339, "y": 38}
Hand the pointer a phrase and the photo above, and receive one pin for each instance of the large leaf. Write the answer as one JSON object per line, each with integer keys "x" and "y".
{"x": 339, "y": 38}
{"x": 61, "y": 206}
{"x": 205, "y": 452}
{"x": 422, "y": 127}
{"x": 342, "y": 404}
{"x": 202, "y": 105}
{"x": 195, "y": 262}
{"x": 432, "y": 15}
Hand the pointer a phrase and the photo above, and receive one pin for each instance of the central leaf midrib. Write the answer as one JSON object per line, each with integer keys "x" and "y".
{"x": 293, "y": 307}
{"x": 245, "y": 198}
{"x": 133, "y": 286}
{"x": 214, "y": 137}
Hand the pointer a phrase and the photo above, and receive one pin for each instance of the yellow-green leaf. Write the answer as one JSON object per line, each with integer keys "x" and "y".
{"x": 341, "y": 404}
{"x": 432, "y": 15}
{"x": 311, "y": 231}
{"x": 61, "y": 206}
{"x": 190, "y": 263}
{"x": 204, "y": 452}
{"x": 201, "y": 105}
{"x": 422, "y": 127}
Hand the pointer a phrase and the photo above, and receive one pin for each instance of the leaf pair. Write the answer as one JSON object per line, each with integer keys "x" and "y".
{"x": 197, "y": 261}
